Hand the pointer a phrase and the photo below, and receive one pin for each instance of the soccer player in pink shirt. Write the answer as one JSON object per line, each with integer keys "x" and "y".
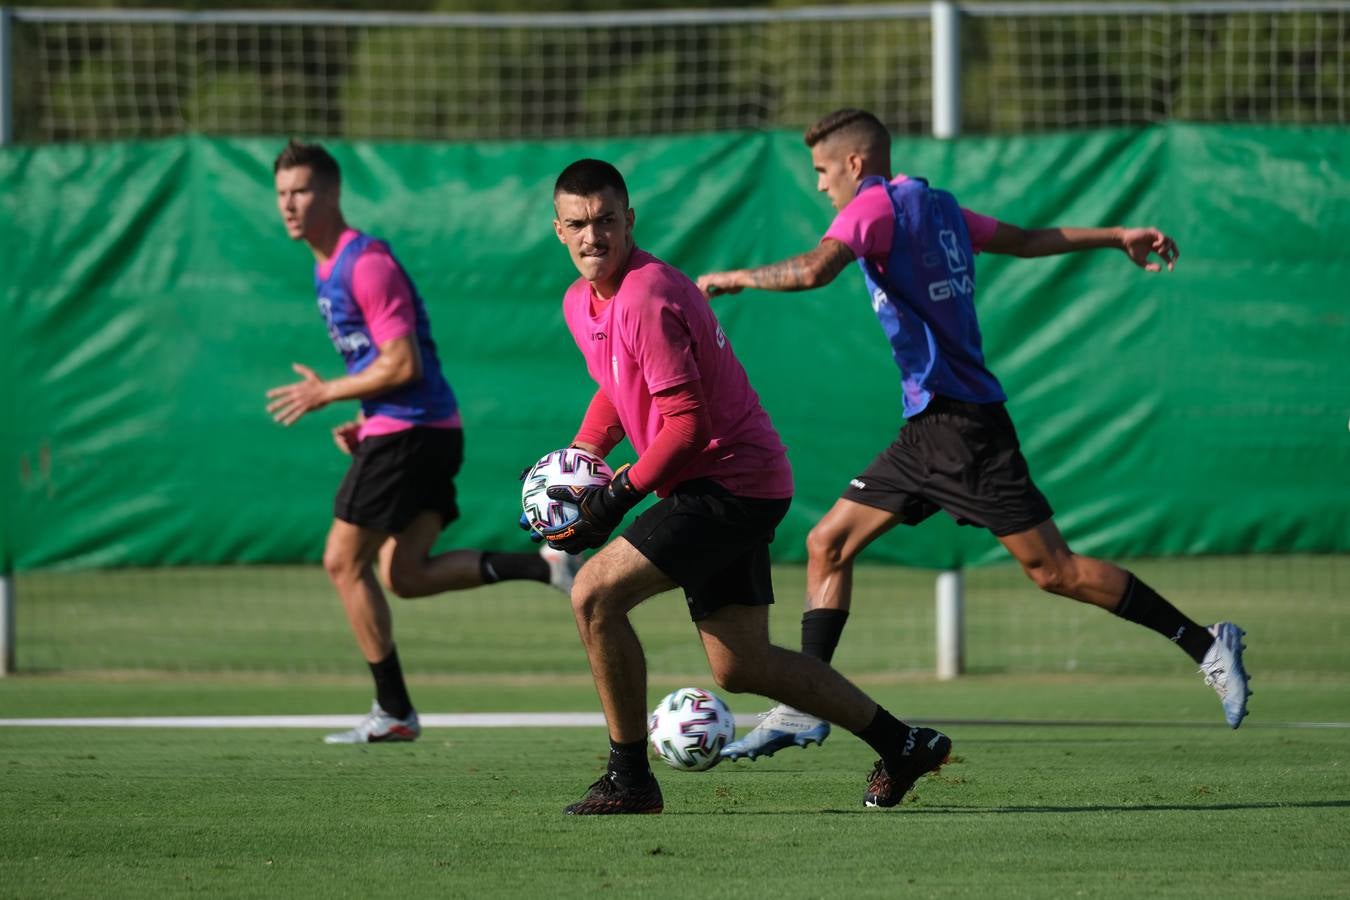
{"x": 958, "y": 450}
{"x": 667, "y": 379}
{"x": 406, "y": 444}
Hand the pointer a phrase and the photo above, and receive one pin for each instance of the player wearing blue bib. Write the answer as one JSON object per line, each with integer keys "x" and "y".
{"x": 421, "y": 401}
{"x": 936, "y": 343}
{"x": 958, "y": 450}
{"x": 406, "y": 446}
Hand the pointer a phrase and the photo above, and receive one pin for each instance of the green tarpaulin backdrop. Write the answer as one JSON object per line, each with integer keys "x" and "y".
{"x": 150, "y": 297}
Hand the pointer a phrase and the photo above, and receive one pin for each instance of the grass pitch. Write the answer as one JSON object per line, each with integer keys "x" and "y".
{"x": 1020, "y": 811}
{"x": 1148, "y": 795}
{"x": 287, "y": 621}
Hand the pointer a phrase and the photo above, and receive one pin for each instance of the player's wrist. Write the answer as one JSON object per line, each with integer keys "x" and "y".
{"x": 618, "y": 497}
{"x": 625, "y": 493}
{"x": 327, "y": 394}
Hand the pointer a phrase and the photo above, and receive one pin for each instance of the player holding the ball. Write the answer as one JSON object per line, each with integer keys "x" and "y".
{"x": 958, "y": 450}
{"x": 668, "y": 379}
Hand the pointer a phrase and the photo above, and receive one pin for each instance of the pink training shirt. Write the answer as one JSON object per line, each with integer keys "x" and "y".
{"x": 867, "y": 225}
{"x": 385, "y": 298}
{"x": 658, "y": 332}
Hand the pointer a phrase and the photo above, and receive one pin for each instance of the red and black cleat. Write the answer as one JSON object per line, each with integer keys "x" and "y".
{"x": 607, "y": 798}
{"x": 926, "y": 750}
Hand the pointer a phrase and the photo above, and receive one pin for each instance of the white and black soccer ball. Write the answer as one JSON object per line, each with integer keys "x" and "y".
{"x": 568, "y": 468}
{"x": 689, "y": 728}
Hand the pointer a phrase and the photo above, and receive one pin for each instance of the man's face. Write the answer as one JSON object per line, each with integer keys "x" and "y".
{"x": 838, "y": 171}
{"x": 305, "y": 203}
{"x": 598, "y": 232}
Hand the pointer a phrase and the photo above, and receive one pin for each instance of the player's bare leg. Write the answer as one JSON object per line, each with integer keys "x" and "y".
{"x": 1048, "y": 561}
{"x": 832, "y": 546}
{"x": 409, "y": 570}
{"x": 736, "y": 640}
{"x": 348, "y": 558}
{"x": 607, "y": 589}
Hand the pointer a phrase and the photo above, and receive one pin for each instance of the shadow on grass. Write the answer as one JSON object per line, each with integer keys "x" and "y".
{"x": 1148, "y": 807}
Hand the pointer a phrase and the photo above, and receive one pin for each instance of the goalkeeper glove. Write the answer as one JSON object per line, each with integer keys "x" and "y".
{"x": 600, "y": 510}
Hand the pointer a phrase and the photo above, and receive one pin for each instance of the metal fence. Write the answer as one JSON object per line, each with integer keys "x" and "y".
{"x": 942, "y": 67}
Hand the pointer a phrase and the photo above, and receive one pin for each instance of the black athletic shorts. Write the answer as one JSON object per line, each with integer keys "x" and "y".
{"x": 393, "y": 477}
{"x": 960, "y": 457}
{"x": 712, "y": 543}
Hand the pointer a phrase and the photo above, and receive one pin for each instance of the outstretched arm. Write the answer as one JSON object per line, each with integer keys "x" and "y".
{"x": 813, "y": 269}
{"x": 399, "y": 362}
{"x": 1136, "y": 243}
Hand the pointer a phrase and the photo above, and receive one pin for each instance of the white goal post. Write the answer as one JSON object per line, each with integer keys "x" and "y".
{"x": 6, "y": 624}
{"x": 951, "y": 627}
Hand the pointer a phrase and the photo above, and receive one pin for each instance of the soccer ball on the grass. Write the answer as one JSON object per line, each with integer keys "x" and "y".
{"x": 567, "y": 468}
{"x": 689, "y": 728}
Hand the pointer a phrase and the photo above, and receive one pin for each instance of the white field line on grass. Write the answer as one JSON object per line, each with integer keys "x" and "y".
{"x": 547, "y": 720}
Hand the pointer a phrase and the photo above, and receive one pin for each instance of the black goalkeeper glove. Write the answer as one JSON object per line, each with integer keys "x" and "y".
{"x": 601, "y": 509}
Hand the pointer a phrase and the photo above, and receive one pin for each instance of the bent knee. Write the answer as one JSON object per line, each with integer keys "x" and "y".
{"x": 733, "y": 680}
{"x": 825, "y": 545}
{"x": 739, "y": 676}
{"x": 405, "y": 576}
{"x": 340, "y": 567}
{"x": 401, "y": 584}
{"x": 1053, "y": 577}
{"x": 590, "y": 600}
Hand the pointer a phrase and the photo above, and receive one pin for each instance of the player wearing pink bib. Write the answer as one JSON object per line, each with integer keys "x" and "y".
{"x": 958, "y": 450}
{"x": 668, "y": 379}
{"x": 406, "y": 445}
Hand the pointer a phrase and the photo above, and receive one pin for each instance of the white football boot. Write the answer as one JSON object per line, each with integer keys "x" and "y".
{"x": 1223, "y": 671}
{"x": 780, "y": 727}
{"x": 562, "y": 567}
{"x": 378, "y": 727}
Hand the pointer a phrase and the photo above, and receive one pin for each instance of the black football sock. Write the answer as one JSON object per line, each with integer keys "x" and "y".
{"x": 390, "y": 690}
{"x": 886, "y": 734}
{"x": 628, "y": 763}
{"x": 1143, "y": 605}
{"x": 820, "y": 631}
{"x": 495, "y": 567}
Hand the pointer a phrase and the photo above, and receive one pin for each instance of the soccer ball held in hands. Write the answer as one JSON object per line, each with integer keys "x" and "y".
{"x": 561, "y": 468}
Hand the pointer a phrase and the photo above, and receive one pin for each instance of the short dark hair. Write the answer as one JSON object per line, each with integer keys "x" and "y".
{"x": 588, "y": 177}
{"x": 858, "y": 124}
{"x": 320, "y": 162}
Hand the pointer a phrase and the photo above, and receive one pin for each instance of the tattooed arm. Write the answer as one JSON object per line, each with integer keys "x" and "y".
{"x": 813, "y": 269}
